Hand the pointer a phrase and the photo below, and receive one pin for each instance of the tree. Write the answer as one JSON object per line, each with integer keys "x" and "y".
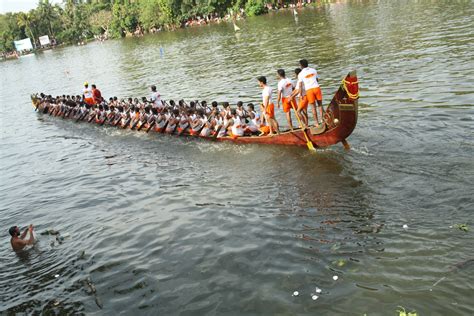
{"x": 101, "y": 21}
{"x": 149, "y": 13}
{"x": 9, "y": 31}
{"x": 47, "y": 14}
{"x": 26, "y": 20}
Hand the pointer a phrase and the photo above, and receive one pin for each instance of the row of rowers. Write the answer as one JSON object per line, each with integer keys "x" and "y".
{"x": 197, "y": 118}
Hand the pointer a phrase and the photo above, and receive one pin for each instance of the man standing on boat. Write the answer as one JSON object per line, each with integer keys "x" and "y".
{"x": 87, "y": 94}
{"x": 268, "y": 108}
{"x": 308, "y": 79}
{"x": 96, "y": 95}
{"x": 156, "y": 98}
{"x": 285, "y": 88}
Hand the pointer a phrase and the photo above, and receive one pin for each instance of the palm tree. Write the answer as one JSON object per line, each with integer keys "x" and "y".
{"x": 47, "y": 14}
{"x": 26, "y": 20}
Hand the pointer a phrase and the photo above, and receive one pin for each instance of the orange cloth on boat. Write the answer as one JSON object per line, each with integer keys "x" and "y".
{"x": 270, "y": 110}
{"x": 288, "y": 104}
{"x": 314, "y": 94}
{"x": 303, "y": 104}
{"x": 265, "y": 129}
{"x": 89, "y": 101}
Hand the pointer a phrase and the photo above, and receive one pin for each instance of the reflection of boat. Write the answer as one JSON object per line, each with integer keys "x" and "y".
{"x": 340, "y": 119}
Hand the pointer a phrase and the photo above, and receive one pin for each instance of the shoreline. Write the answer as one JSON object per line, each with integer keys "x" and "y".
{"x": 14, "y": 55}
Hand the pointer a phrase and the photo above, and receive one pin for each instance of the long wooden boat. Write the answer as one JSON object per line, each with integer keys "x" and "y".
{"x": 340, "y": 119}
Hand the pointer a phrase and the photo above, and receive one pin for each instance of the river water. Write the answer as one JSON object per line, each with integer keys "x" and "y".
{"x": 171, "y": 226}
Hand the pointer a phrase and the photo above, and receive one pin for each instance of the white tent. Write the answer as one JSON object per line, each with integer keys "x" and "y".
{"x": 24, "y": 44}
{"x": 44, "y": 40}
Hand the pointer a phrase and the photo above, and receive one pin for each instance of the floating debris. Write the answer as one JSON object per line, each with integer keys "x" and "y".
{"x": 56, "y": 303}
{"x": 402, "y": 312}
{"x": 50, "y": 232}
{"x": 335, "y": 277}
{"x": 59, "y": 239}
{"x": 405, "y": 226}
{"x": 296, "y": 293}
{"x": 56, "y": 276}
{"x": 318, "y": 290}
{"x": 98, "y": 302}
{"x": 462, "y": 227}
{"x": 82, "y": 254}
{"x": 314, "y": 297}
{"x": 436, "y": 283}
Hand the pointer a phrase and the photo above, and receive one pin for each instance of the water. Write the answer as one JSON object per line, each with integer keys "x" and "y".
{"x": 164, "y": 225}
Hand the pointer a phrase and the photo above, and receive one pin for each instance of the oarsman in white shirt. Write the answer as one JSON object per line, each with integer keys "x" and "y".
{"x": 156, "y": 98}
{"x": 308, "y": 78}
{"x": 268, "y": 108}
{"x": 285, "y": 88}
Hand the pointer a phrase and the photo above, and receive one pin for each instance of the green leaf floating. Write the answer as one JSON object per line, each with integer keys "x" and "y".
{"x": 462, "y": 227}
{"x": 403, "y": 312}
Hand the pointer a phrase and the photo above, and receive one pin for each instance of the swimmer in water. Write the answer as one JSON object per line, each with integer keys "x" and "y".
{"x": 18, "y": 239}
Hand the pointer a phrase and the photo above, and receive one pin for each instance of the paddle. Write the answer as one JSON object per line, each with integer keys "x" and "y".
{"x": 82, "y": 116}
{"x": 309, "y": 143}
{"x": 141, "y": 125}
{"x": 185, "y": 127}
{"x": 103, "y": 121}
{"x": 135, "y": 124}
{"x": 164, "y": 127}
{"x": 118, "y": 121}
{"x": 126, "y": 123}
{"x": 150, "y": 126}
{"x": 217, "y": 132}
{"x": 91, "y": 118}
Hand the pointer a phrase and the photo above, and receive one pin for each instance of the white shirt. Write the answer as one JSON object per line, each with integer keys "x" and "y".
{"x": 285, "y": 86}
{"x": 309, "y": 78}
{"x": 267, "y": 92}
{"x": 303, "y": 90}
{"x": 237, "y": 129}
{"x": 156, "y": 98}
{"x": 87, "y": 92}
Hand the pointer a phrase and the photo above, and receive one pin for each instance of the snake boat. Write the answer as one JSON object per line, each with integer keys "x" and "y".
{"x": 339, "y": 121}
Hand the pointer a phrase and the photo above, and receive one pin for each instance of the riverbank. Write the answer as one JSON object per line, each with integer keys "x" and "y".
{"x": 105, "y": 21}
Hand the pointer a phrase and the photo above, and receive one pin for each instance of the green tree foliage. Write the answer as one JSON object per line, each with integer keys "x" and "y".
{"x": 124, "y": 17}
{"x": 255, "y": 7}
{"x": 9, "y": 31}
{"x": 77, "y": 20}
{"x": 100, "y": 21}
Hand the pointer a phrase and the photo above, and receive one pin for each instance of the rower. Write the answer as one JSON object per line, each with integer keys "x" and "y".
{"x": 173, "y": 120}
{"x": 241, "y": 111}
{"x": 268, "y": 108}
{"x": 87, "y": 94}
{"x": 308, "y": 78}
{"x": 253, "y": 124}
{"x": 237, "y": 126}
{"x": 161, "y": 120}
{"x": 285, "y": 88}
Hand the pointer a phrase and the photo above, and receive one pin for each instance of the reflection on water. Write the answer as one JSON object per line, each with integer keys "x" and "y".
{"x": 167, "y": 225}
